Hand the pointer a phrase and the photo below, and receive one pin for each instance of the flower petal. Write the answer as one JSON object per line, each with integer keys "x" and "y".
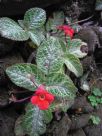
{"x": 49, "y": 97}
{"x": 69, "y": 33}
{"x": 66, "y": 27}
{"x": 72, "y": 30}
{"x": 34, "y": 99}
{"x": 60, "y": 27}
{"x": 40, "y": 90}
{"x": 43, "y": 105}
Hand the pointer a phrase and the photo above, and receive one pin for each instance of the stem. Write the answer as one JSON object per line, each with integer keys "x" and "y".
{"x": 81, "y": 20}
{"x": 33, "y": 80}
{"x": 31, "y": 57}
{"x": 21, "y": 100}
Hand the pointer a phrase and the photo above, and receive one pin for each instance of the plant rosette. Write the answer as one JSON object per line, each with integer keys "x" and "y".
{"x": 52, "y": 55}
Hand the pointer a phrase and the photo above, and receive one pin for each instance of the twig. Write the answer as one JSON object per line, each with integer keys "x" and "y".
{"x": 81, "y": 20}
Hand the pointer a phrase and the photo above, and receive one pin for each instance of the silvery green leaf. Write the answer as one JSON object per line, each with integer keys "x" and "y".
{"x": 11, "y": 30}
{"x": 21, "y": 23}
{"x": 56, "y": 20}
{"x": 49, "y": 56}
{"x": 61, "y": 85}
{"x": 73, "y": 64}
{"x": 25, "y": 75}
{"x": 36, "y": 36}
{"x": 76, "y": 48}
{"x": 35, "y": 120}
{"x": 34, "y": 18}
{"x": 61, "y": 104}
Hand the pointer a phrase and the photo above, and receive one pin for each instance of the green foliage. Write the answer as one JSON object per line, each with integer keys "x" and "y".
{"x": 96, "y": 97}
{"x": 75, "y": 48}
{"x": 35, "y": 120}
{"x": 25, "y": 75}
{"x": 54, "y": 52}
{"x": 11, "y": 30}
{"x": 97, "y": 92}
{"x": 29, "y": 77}
{"x": 33, "y": 20}
{"x": 54, "y": 21}
{"x": 73, "y": 64}
{"x": 62, "y": 104}
{"x": 61, "y": 85}
{"x": 95, "y": 119}
{"x": 36, "y": 36}
{"x": 49, "y": 56}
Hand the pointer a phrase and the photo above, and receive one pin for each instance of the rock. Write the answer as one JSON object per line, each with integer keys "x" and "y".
{"x": 4, "y": 97}
{"x": 83, "y": 104}
{"x": 98, "y": 31}
{"x": 5, "y": 46}
{"x": 98, "y": 112}
{"x": 83, "y": 121}
{"x": 89, "y": 36}
{"x": 3, "y": 79}
{"x": 18, "y": 7}
{"x": 7, "y": 121}
{"x": 60, "y": 128}
{"x": 79, "y": 121}
{"x": 26, "y": 52}
{"x": 7, "y": 61}
{"x": 75, "y": 9}
{"x": 11, "y": 59}
{"x": 93, "y": 130}
{"x": 88, "y": 62}
{"x": 78, "y": 132}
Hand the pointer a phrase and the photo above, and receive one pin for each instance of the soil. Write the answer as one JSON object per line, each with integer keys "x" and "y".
{"x": 76, "y": 122}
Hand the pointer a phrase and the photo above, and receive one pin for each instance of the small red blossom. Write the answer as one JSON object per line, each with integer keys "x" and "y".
{"x": 67, "y": 30}
{"x": 42, "y": 98}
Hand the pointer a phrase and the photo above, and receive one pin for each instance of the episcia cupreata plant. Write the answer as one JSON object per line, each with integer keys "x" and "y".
{"x": 53, "y": 88}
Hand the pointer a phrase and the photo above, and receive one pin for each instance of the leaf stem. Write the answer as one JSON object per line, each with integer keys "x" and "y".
{"x": 33, "y": 80}
{"x": 22, "y": 100}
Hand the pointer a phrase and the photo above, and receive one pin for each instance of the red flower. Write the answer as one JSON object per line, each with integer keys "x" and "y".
{"x": 67, "y": 30}
{"x": 42, "y": 98}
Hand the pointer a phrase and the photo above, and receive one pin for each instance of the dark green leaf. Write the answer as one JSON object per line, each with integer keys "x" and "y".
{"x": 36, "y": 36}
{"x": 61, "y": 85}
{"x": 21, "y": 23}
{"x": 58, "y": 19}
{"x": 49, "y": 56}
{"x": 25, "y": 75}
{"x": 97, "y": 91}
{"x": 73, "y": 64}
{"x": 61, "y": 104}
{"x": 98, "y": 100}
{"x": 11, "y": 30}
{"x": 75, "y": 48}
{"x": 34, "y": 121}
{"x": 34, "y": 18}
{"x": 95, "y": 119}
{"x": 92, "y": 98}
